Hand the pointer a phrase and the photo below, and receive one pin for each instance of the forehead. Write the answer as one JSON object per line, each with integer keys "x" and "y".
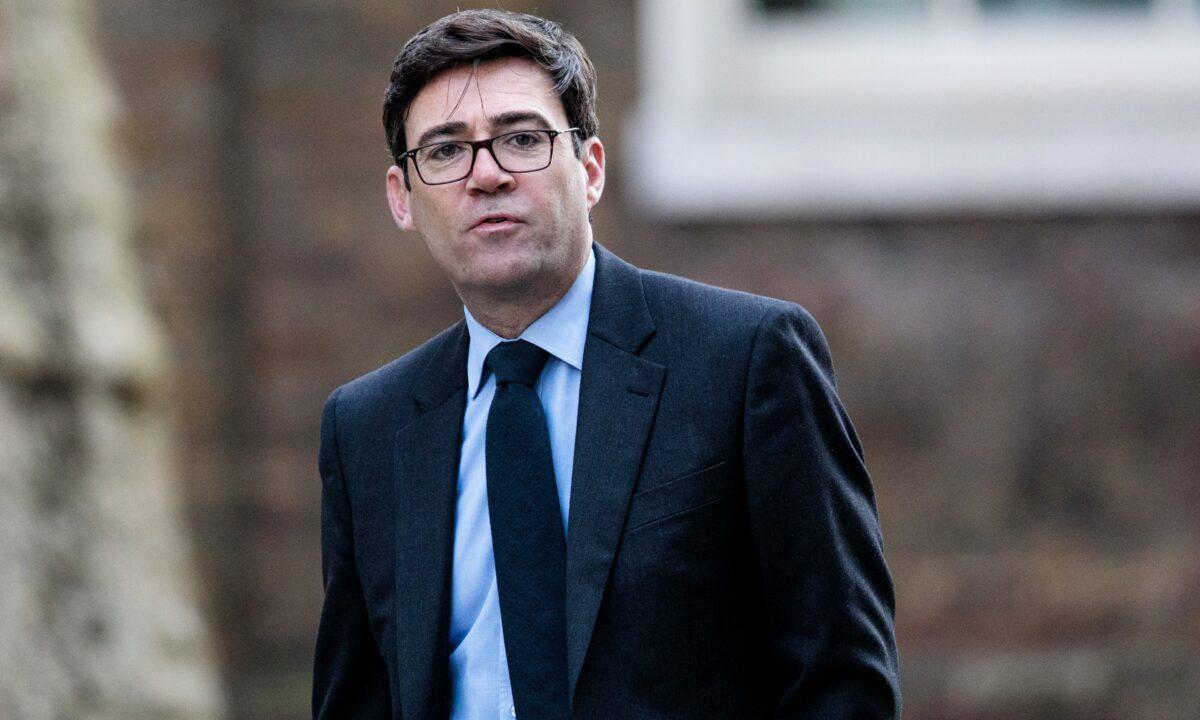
{"x": 497, "y": 86}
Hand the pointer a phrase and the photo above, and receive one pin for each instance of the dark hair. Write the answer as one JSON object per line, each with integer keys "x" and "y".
{"x": 474, "y": 36}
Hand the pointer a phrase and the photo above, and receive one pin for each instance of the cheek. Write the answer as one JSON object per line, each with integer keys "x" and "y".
{"x": 573, "y": 206}
{"x": 569, "y": 201}
{"x": 431, "y": 220}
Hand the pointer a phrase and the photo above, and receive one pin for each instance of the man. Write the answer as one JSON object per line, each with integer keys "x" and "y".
{"x": 606, "y": 493}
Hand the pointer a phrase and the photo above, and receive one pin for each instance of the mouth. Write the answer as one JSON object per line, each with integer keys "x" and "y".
{"x": 495, "y": 221}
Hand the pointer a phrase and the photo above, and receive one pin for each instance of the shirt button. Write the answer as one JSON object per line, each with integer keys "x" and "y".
{"x": 513, "y": 711}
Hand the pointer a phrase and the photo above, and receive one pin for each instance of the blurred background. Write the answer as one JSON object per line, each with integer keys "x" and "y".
{"x": 991, "y": 206}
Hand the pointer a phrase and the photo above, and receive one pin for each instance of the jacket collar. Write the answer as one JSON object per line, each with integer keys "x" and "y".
{"x": 619, "y": 313}
{"x": 445, "y": 371}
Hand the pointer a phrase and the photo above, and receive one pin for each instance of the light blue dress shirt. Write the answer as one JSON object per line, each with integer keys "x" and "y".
{"x": 479, "y": 684}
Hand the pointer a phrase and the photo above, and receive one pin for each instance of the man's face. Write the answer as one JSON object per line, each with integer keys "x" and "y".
{"x": 543, "y": 236}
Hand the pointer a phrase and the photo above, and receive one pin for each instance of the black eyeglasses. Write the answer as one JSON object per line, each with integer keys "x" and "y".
{"x": 520, "y": 151}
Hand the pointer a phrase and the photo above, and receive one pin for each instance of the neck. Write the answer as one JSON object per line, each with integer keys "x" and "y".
{"x": 510, "y": 320}
{"x": 508, "y": 314}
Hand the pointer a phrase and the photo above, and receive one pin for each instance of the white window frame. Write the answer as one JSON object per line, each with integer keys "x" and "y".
{"x": 741, "y": 116}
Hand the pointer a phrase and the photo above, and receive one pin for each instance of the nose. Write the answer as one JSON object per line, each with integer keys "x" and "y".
{"x": 487, "y": 176}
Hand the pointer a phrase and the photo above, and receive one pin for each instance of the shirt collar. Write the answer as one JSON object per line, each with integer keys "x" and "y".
{"x": 561, "y": 331}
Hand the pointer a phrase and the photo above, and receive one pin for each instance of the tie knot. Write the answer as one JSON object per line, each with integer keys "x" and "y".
{"x": 519, "y": 362}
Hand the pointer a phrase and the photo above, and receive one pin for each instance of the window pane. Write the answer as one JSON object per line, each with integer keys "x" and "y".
{"x": 1049, "y": 7}
{"x": 846, "y": 7}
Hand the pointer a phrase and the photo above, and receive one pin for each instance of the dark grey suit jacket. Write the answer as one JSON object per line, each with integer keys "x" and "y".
{"x": 724, "y": 558}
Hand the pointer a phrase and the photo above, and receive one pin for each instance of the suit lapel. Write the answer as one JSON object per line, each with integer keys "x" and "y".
{"x": 426, "y": 477}
{"x": 618, "y": 396}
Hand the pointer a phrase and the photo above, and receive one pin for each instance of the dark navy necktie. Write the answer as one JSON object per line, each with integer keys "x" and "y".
{"x": 527, "y": 535}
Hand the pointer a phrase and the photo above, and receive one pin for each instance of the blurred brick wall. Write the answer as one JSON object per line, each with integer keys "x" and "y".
{"x": 1026, "y": 389}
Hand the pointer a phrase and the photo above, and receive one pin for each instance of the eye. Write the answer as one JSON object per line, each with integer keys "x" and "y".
{"x": 524, "y": 140}
{"x": 445, "y": 151}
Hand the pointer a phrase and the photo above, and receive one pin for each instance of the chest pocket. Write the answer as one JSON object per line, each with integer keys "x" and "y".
{"x": 678, "y": 496}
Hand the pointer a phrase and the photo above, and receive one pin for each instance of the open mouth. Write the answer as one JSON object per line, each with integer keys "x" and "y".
{"x": 496, "y": 220}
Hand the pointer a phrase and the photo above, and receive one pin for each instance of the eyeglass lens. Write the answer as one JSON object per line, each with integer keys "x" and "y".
{"x": 521, "y": 151}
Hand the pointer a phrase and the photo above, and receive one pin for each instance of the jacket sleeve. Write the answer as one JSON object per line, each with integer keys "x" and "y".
{"x": 349, "y": 676}
{"x": 815, "y": 533}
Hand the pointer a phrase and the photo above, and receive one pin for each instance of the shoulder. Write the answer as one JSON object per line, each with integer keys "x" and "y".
{"x": 387, "y": 393}
{"x": 734, "y": 330}
{"x": 697, "y": 307}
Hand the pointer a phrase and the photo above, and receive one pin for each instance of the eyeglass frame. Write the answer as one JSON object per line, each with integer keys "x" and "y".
{"x": 476, "y": 145}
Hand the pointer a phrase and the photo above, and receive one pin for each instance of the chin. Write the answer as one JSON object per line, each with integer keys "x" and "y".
{"x": 510, "y": 274}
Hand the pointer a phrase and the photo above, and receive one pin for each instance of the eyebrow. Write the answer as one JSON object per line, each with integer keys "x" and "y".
{"x": 449, "y": 128}
{"x": 505, "y": 119}
{"x": 514, "y": 117}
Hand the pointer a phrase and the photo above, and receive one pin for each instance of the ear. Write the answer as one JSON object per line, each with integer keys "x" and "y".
{"x": 399, "y": 199}
{"x": 593, "y": 169}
